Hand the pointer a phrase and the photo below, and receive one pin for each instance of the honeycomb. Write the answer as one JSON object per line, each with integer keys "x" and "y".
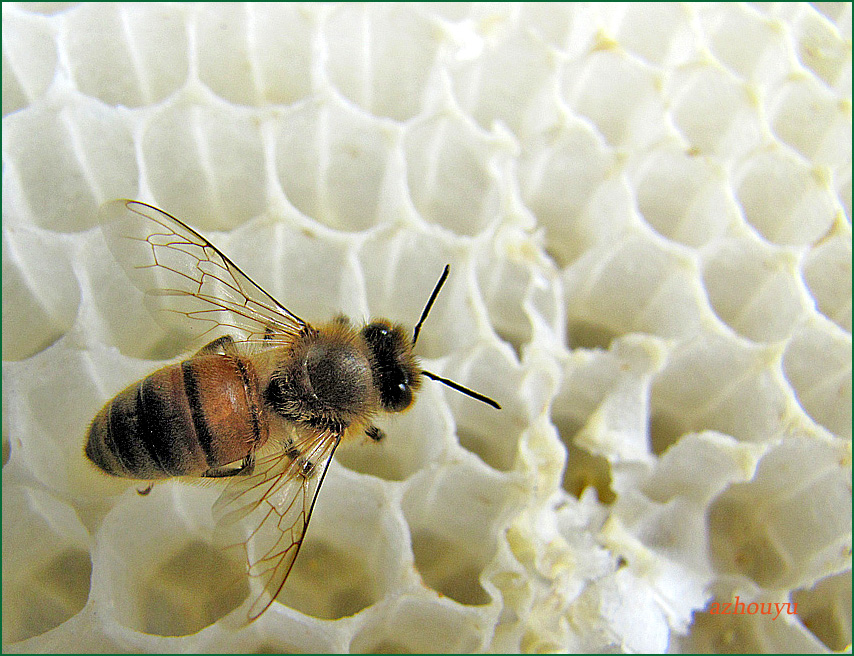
{"x": 647, "y": 212}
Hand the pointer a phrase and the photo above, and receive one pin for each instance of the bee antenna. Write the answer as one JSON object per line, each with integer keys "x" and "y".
{"x": 465, "y": 390}
{"x": 430, "y": 302}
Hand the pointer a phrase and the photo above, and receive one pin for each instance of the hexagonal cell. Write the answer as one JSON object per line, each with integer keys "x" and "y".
{"x": 502, "y": 83}
{"x": 722, "y": 384}
{"x": 750, "y": 44}
{"x": 660, "y": 33}
{"x": 29, "y": 59}
{"x": 40, "y": 291}
{"x": 521, "y": 290}
{"x": 452, "y": 173}
{"x": 415, "y": 625}
{"x": 754, "y": 555}
{"x": 755, "y": 290}
{"x": 449, "y": 568}
{"x": 335, "y": 164}
{"x": 169, "y": 598}
{"x": 512, "y": 291}
{"x": 452, "y": 513}
{"x": 46, "y": 563}
{"x": 620, "y": 96}
{"x": 825, "y": 609}
{"x": 781, "y": 529}
{"x": 817, "y": 363}
{"x": 310, "y": 273}
{"x": 812, "y": 120}
{"x": 345, "y": 581}
{"x": 228, "y": 37}
{"x": 683, "y": 198}
{"x": 493, "y": 435}
{"x": 787, "y": 201}
{"x": 581, "y": 334}
{"x": 397, "y": 50}
{"x": 494, "y": 442}
{"x": 566, "y": 177}
{"x": 84, "y": 144}
{"x": 717, "y": 114}
{"x": 601, "y": 410}
{"x": 163, "y": 575}
{"x": 146, "y": 48}
{"x": 822, "y": 47}
{"x": 156, "y": 567}
{"x": 204, "y": 165}
{"x": 827, "y": 273}
{"x": 587, "y": 379}
{"x": 635, "y": 284}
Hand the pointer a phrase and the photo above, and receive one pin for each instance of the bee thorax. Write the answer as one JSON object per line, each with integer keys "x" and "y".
{"x": 338, "y": 375}
{"x": 328, "y": 387}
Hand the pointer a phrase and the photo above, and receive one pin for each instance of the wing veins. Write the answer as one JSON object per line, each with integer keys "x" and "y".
{"x": 298, "y": 544}
{"x": 270, "y": 558}
{"x": 196, "y": 261}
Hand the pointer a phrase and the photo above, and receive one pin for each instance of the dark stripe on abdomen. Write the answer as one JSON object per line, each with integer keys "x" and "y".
{"x": 165, "y": 426}
{"x": 250, "y": 401}
{"x": 125, "y": 430}
{"x": 119, "y": 423}
{"x": 154, "y": 427}
{"x": 197, "y": 412}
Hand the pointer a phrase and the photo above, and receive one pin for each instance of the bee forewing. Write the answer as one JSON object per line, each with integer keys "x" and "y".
{"x": 184, "y": 276}
{"x": 264, "y": 516}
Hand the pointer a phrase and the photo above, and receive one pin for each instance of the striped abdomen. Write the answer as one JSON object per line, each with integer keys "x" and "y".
{"x": 180, "y": 421}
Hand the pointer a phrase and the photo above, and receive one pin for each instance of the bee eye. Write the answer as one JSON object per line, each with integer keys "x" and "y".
{"x": 390, "y": 348}
{"x": 396, "y": 397}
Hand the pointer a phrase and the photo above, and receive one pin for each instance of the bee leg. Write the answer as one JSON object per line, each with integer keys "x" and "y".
{"x": 374, "y": 433}
{"x": 221, "y": 346}
{"x": 247, "y": 466}
{"x": 144, "y": 491}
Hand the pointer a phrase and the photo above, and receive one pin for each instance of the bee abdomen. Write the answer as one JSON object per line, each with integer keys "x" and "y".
{"x": 182, "y": 420}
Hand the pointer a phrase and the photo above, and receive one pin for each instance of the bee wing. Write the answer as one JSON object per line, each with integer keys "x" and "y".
{"x": 184, "y": 275}
{"x": 265, "y": 515}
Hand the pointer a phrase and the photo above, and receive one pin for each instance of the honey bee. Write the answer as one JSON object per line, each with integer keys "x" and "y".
{"x": 265, "y": 404}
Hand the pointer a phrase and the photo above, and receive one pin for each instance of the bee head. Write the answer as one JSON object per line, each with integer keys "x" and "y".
{"x": 395, "y": 370}
{"x": 394, "y": 367}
